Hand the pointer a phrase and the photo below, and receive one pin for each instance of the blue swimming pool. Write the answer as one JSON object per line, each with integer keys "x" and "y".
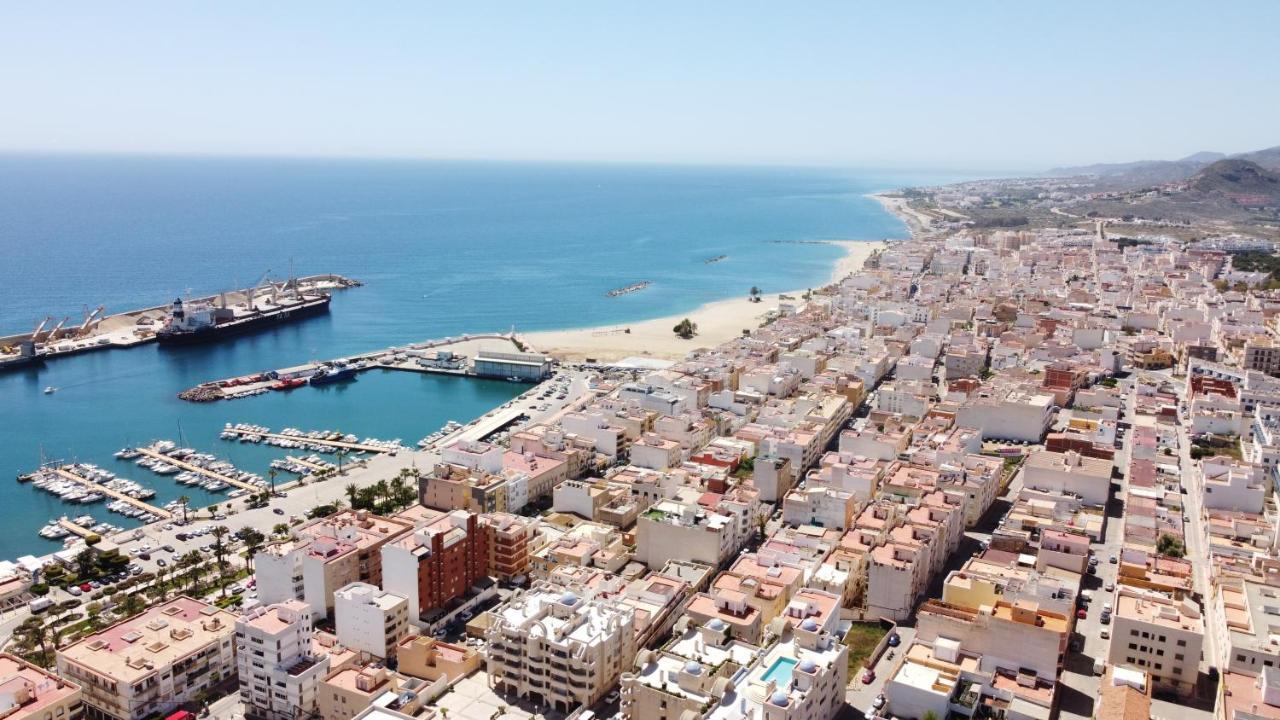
{"x": 780, "y": 671}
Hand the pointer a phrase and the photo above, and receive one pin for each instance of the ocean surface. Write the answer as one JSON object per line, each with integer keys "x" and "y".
{"x": 443, "y": 248}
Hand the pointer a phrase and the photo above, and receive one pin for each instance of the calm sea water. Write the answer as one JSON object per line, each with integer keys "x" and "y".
{"x": 443, "y": 248}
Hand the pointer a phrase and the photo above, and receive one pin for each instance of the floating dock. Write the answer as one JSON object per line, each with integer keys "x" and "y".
{"x": 200, "y": 471}
{"x": 75, "y": 529}
{"x": 128, "y": 499}
{"x": 341, "y": 444}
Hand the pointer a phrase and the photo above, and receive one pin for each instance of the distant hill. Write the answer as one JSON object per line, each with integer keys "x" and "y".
{"x": 1147, "y": 173}
{"x": 1235, "y": 178}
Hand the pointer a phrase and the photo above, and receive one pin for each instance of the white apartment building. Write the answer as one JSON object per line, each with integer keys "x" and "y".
{"x": 279, "y": 674}
{"x": 562, "y": 647}
{"x": 1069, "y": 473}
{"x": 672, "y": 530}
{"x": 1157, "y": 635}
{"x": 819, "y": 505}
{"x": 370, "y": 620}
{"x": 1231, "y": 485}
{"x": 1008, "y": 415}
{"x": 152, "y": 662}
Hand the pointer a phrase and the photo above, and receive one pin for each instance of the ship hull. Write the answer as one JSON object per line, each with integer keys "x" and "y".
{"x": 257, "y": 323}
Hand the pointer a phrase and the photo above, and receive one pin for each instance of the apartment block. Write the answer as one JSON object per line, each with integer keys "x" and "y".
{"x": 154, "y": 661}
{"x": 324, "y": 555}
{"x": 562, "y": 647}
{"x": 436, "y": 563}
{"x": 29, "y": 692}
{"x": 370, "y": 620}
{"x": 279, "y": 670}
{"x": 1160, "y": 636}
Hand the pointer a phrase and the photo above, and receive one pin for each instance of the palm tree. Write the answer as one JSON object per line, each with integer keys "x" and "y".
{"x": 192, "y": 563}
{"x": 86, "y": 564}
{"x": 132, "y": 605}
{"x": 34, "y": 635}
{"x": 220, "y": 551}
{"x": 352, "y": 490}
{"x": 184, "y": 501}
{"x": 280, "y": 529}
{"x": 271, "y": 475}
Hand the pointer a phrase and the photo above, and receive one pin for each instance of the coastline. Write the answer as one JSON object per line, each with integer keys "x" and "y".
{"x": 717, "y": 322}
{"x": 915, "y": 220}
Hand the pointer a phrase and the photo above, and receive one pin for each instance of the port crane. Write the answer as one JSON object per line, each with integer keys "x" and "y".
{"x": 35, "y": 336}
{"x": 53, "y": 334}
{"x": 89, "y": 318}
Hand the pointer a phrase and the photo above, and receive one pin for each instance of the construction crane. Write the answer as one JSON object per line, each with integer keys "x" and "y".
{"x": 88, "y": 320}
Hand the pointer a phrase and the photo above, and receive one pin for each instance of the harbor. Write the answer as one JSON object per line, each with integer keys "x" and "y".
{"x": 497, "y": 355}
{"x": 232, "y": 312}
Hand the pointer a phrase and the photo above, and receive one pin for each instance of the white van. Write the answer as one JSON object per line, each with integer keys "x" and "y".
{"x": 40, "y": 605}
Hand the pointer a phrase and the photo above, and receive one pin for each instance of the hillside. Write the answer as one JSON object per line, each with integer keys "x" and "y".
{"x": 1149, "y": 173}
{"x": 1236, "y": 179}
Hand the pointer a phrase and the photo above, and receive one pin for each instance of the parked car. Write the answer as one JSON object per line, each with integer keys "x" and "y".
{"x": 895, "y": 640}
{"x": 1082, "y": 613}
{"x": 868, "y": 677}
{"x": 278, "y": 511}
{"x": 878, "y": 702}
{"x": 85, "y": 587}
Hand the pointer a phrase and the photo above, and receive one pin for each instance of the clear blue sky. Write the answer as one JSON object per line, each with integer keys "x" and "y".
{"x": 975, "y": 85}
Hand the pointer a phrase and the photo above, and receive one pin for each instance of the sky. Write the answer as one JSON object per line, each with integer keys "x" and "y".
{"x": 945, "y": 85}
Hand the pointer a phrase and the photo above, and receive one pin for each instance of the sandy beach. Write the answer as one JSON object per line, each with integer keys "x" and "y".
{"x": 717, "y": 322}
{"x": 916, "y": 221}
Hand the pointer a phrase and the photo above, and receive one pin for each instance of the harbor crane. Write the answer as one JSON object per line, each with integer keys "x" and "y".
{"x": 35, "y": 336}
{"x": 89, "y": 318}
{"x": 53, "y": 334}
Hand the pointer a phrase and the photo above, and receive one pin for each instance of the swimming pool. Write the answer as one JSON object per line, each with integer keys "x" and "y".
{"x": 780, "y": 671}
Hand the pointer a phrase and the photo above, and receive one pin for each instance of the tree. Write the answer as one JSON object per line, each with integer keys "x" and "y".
{"x": 280, "y": 529}
{"x": 132, "y": 605}
{"x": 1169, "y": 546}
{"x": 184, "y": 501}
{"x": 35, "y": 639}
{"x": 94, "y": 613}
{"x": 352, "y": 491}
{"x": 929, "y": 715}
{"x": 220, "y": 549}
{"x": 271, "y": 474}
{"x": 755, "y": 294}
{"x": 86, "y": 564}
{"x": 252, "y": 540}
{"x": 686, "y": 329}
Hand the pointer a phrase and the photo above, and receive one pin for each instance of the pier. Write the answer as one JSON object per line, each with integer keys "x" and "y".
{"x": 312, "y": 441}
{"x": 305, "y": 463}
{"x": 143, "y": 506}
{"x": 408, "y": 358}
{"x": 75, "y": 529}
{"x": 131, "y": 328}
{"x": 199, "y": 470}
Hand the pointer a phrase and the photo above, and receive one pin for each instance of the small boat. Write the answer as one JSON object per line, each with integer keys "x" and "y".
{"x": 50, "y": 390}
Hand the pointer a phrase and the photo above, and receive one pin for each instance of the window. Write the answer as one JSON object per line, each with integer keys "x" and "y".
{"x": 1133, "y": 633}
{"x": 1177, "y": 656}
{"x": 1133, "y": 646}
{"x": 1177, "y": 671}
{"x": 1182, "y": 643}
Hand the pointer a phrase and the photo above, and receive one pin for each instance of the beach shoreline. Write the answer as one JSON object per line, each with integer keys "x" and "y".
{"x": 917, "y": 222}
{"x": 718, "y": 322}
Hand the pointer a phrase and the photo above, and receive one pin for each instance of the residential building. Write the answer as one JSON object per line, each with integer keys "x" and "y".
{"x": 279, "y": 670}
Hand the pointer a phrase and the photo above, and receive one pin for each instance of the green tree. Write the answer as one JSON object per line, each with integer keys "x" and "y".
{"x": 184, "y": 501}
{"x": 252, "y": 540}
{"x": 86, "y": 564}
{"x": 686, "y": 329}
{"x": 220, "y": 550}
{"x": 280, "y": 529}
{"x": 35, "y": 641}
{"x": 1169, "y": 546}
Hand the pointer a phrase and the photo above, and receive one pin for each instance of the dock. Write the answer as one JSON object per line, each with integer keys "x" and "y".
{"x": 313, "y": 441}
{"x": 143, "y": 506}
{"x": 201, "y": 471}
{"x": 305, "y": 463}
{"x": 74, "y": 529}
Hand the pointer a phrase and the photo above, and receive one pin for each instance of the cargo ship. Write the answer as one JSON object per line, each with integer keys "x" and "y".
{"x": 203, "y": 321}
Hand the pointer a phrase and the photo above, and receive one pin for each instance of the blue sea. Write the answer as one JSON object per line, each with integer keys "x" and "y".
{"x": 442, "y": 247}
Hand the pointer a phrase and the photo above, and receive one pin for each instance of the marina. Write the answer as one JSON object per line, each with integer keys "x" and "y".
{"x": 322, "y": 441}
{"x": 72, "y": 473}
{"x": 220, "y": 479}
{"x": 430, "y": 357}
